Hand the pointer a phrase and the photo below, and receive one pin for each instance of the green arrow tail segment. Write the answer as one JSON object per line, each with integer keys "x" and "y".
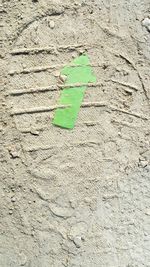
{"x": 80, "y": 72}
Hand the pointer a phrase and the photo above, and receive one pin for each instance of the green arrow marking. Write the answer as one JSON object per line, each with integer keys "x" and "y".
{"x": 80, "y": 71}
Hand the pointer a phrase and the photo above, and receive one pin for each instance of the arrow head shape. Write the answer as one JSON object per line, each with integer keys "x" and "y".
{"x": 79, "y": 72}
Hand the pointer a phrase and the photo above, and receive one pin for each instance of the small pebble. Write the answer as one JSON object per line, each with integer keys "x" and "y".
{"x": 13, "y": 199}
{"x": 56, "y": 73}
{"x": 34, "y": 131}
{"x": 146, "y": 23}
{"x": 78, "y": 241}
{"x": 147, "y": 212}
{"x": 87, "y": 200}
{"x": 74, "y": 55}
{"x": 13, "y": 153}
{"x": 143, "y": 163}
{"x": 81, "y": 51}
{"x": 73, "y": 203}
{"x": 23, "y": 259}
{"x": 24, "y": 66}
{"x": 52, "y": 24}
{"x": 63, "y": 78}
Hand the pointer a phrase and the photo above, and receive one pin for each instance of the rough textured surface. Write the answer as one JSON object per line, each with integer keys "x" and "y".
{"x": 75, "y": 198}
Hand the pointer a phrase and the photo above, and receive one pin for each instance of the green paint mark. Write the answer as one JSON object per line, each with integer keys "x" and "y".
{"x": 80, "y": 72}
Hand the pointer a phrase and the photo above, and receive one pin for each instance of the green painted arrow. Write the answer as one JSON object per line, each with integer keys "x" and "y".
{"x": 80, "y": 72}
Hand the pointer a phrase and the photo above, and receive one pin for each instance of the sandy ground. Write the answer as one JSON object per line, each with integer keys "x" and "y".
{"x": 76, "y": 198}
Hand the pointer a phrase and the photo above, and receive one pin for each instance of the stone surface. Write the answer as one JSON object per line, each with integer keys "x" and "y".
{"x": 75, "y": 198}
